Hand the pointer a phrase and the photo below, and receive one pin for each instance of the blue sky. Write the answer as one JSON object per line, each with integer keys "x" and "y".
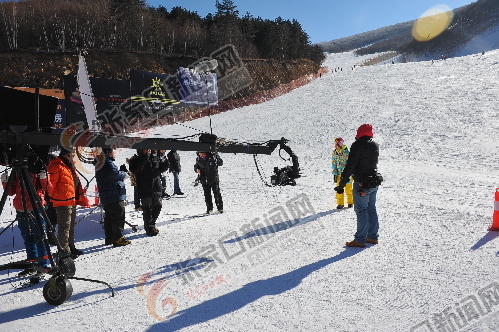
{"x": 324, "y": 20}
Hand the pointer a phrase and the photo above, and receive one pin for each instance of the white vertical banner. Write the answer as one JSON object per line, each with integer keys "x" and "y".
{"x": 86, "y": 95}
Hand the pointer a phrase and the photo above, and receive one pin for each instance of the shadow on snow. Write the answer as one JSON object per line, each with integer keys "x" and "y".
{"x": 249, "y": 293}
{"x": 282, "y": 226}
{"x": 485, "y": 239}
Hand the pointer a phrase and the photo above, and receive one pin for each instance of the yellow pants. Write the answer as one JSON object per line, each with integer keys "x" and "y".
{"x": 340, "y": 198}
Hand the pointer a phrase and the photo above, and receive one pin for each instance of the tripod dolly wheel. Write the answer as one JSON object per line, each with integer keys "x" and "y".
{"x": 57, "y": 290}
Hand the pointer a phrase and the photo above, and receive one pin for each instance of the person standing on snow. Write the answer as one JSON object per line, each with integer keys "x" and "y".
{"x": 338, "y": 162}
{"x": 362, "y": 163}
{"x": 30, "y": 232}
{"x": 133, "y": 183}
{"x": 174, "y": 161}
{"x": 162, "y": 157}
{"x": 147, "y": 167}
{"x": 112, "y": 195}
{"x": 207, "y": 167}
{"x": 65, "y": 192}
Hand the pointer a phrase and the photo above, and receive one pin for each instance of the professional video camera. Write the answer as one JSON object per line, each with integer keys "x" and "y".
{"x": 35, "y": 155}
{"x": 25, "y": 113}
{"x": 283, "y": 176}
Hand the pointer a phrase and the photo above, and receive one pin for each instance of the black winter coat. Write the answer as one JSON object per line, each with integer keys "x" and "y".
{"x": 208, "y": 168}
{"x": 362, "y": 160}
{"x": 147, "y": 170}
{"x": 174, "y": 161}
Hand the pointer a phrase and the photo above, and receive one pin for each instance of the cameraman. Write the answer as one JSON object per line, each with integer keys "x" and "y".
{"x": 363, "y": 162}
{"x": 207, "y": 167}
{"x": 147, "y": 167}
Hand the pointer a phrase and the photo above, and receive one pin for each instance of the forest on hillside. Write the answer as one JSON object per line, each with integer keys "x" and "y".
{"x": 134, "y": 26}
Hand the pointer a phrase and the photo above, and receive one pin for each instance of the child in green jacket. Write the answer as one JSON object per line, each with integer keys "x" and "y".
{"x": 338, "y": 161}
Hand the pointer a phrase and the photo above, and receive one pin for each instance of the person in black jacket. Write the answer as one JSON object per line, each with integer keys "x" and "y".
{"x": 363, "y": 162}
{"x": 164, "y": 194}
{"x": 147, "y": 167}
{"x": 112, "y": 195}
{"x": 207, "y": 167}
{"x": 133, "y": 182}
{"x": 174, "y": 161}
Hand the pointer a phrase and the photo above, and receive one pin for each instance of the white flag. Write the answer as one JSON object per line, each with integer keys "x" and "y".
{"x": 86, "y": 95}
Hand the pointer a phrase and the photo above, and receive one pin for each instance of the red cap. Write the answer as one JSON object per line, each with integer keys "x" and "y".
{"x": 365, "y": 130}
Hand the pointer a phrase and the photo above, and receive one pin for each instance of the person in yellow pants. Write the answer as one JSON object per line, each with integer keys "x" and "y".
{"x": 338, "y": 161}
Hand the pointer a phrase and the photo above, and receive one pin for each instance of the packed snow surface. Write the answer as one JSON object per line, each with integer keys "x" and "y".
{"x": 276, "y": 260}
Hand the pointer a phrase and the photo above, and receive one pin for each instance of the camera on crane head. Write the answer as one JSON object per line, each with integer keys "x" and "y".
{"x": 283, "y": 176}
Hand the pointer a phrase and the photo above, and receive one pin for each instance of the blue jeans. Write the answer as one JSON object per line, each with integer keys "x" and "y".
{"x": 367, "y": 217}
{"x": 35, "y": 246}
{"x": 176, "y": 184}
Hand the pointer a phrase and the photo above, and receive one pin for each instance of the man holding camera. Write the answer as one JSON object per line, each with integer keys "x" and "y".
{"x": 147, "y": 167}
{"x": 362, "y": 163}
{"x": 207, "y": 167}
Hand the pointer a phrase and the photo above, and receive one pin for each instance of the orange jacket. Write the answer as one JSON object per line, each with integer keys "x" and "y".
{"x": 15, "y": 189}
{"x": 62, "y": 189}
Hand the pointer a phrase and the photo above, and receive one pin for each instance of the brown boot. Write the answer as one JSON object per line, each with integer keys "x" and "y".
{"x": 355, "y": 244}
{"x": 152, "y": 232}
{"x": 121, "y": 242}
{"x": 368, "y": 240}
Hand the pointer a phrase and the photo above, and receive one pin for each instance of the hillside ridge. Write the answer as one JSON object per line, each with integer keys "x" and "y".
{"x": 46, "y": 69}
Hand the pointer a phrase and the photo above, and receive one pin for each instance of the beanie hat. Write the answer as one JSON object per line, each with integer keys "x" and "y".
{"x": 64, "y": 152}
{"x": 365, "y": 130}
{"x": 107, "y": 151}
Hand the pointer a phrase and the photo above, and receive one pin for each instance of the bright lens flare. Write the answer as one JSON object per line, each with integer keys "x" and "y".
{"x": 432, "y": 23}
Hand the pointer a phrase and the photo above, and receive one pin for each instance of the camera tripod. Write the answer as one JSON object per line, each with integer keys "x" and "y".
{"x": 58, "y": 288}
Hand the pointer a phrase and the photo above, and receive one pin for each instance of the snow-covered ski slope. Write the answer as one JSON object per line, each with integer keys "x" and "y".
{"x": 437, "y": 126}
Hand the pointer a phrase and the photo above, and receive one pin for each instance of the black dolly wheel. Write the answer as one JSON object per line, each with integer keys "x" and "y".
{"x": 57, "y": 290}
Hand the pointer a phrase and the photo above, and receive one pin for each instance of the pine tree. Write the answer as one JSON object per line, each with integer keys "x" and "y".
{"x": 226, "y": 9}
{"x": 227, "y": 21}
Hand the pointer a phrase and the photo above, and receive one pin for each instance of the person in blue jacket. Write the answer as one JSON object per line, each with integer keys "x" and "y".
{"x": 112, "y": 195}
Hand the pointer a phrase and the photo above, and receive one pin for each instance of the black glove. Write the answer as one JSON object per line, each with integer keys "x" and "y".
{"x": 123, "y": 168}
{"x": 339, "y": 190}
{"x": 196, "y": 182}
{"x": 361, "y": 192}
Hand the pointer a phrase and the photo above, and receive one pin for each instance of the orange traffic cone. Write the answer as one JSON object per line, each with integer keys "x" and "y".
{"x": 495, "y": 218}
{"x": 96, "y": 193}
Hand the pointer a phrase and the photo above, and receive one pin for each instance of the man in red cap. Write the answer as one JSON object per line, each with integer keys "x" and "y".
{"x": 362, "y": 163}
